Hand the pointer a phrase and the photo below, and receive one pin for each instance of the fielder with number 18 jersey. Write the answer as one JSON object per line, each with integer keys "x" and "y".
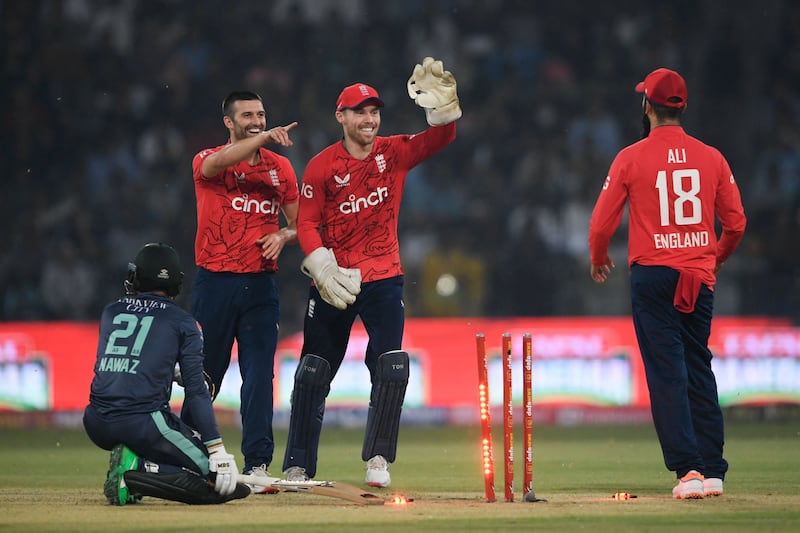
{"x": 676, "y": 188}
{"x": 675, "y": 184}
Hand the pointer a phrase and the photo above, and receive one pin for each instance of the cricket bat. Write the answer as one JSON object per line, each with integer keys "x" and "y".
{"x": 333, "y": 489}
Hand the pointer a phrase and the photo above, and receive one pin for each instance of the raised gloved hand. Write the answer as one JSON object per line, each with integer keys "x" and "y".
{"x": 434, "y": 89}
{"x": 338, "y": 286}
{"x": 224, "y": 465}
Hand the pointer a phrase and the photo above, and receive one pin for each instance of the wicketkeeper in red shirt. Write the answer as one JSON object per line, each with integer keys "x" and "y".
{"x": 675, "y": 187}
{"x": 347, "y": 227}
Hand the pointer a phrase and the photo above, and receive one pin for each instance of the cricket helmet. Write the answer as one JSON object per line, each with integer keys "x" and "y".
{"x": 156, "y": 267}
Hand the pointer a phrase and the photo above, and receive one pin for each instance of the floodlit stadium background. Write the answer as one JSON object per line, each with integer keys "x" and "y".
{"x": 106, "y": 104}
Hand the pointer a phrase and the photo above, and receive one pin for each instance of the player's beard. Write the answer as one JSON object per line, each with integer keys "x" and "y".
{"x": 645, "y": 126}
{"x": 243, "y": 131}
{"x": 645, "y": 120}
{"x": 365, "y": 140}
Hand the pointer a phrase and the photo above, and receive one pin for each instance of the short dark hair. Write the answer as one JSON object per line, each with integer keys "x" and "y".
{"x": 666, "y": 113}
{"x": 235, "y": 96}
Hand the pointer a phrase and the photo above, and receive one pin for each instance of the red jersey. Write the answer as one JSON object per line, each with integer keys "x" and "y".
{"x": 238, "y": 206}
{"x": 675, "y": 186}
{"x": 352, "y": 206}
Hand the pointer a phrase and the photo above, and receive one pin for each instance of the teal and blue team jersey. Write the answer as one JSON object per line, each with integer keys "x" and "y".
{"x": 141, "y": 339}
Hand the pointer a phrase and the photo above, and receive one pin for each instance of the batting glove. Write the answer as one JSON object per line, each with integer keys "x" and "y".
{"x": 177, "y": 377}
{"x": 434, "y": 89}
{"x": 224, "y": 466}
{"x": 338, "y": 286}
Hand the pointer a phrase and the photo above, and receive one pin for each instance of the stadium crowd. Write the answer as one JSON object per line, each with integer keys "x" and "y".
{"x": 107, "y": 101}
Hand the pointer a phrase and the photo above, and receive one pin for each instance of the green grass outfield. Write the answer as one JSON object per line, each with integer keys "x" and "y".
{"x": 51, "y": 480}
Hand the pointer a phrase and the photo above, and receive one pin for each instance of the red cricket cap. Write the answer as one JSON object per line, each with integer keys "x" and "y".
{"x": 357, "y": 95}
{"x": 664, "y": 87}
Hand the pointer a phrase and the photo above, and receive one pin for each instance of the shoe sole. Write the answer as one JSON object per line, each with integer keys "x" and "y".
{"x": 376, "y": 468}
{"x": 689, "y": 494}
{"x": 111, "y": 490}
{"x": 690, "y": 487}
{"x": 711, "y": 488}
{"x": 115, "y": 489}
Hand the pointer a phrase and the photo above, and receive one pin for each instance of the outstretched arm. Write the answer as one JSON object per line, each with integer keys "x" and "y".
{"x": 242, "y": 149}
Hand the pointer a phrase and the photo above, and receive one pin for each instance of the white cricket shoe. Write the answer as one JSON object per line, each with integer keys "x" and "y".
{"x": 378, "y": 472}
{"x": 689, "y": 487}
{"x": 295, "y": 474}
{"x": 266, "y": 488}
{"x": 712, "y": 486}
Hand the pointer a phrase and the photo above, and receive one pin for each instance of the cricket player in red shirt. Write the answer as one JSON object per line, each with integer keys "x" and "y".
{"x": 242, "y": 189}
{"x": 675, "y": 187}
{"x": 347, "y": 227}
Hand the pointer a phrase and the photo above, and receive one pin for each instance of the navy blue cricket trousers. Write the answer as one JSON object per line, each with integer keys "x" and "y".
{"x": 243, "y": 307}
{"x": 683, "y": 390}
{"x": 160, "y": 437}
{"x": 326, "y": 332}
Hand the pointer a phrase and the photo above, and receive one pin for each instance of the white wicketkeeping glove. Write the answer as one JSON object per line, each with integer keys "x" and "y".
{"x": 338, "y": 286}
{"x": 224, "y": 465}
{"x": 434, "y": 89}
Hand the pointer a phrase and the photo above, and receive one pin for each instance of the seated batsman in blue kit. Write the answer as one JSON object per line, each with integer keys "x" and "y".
{"x": 146, "y": 341}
